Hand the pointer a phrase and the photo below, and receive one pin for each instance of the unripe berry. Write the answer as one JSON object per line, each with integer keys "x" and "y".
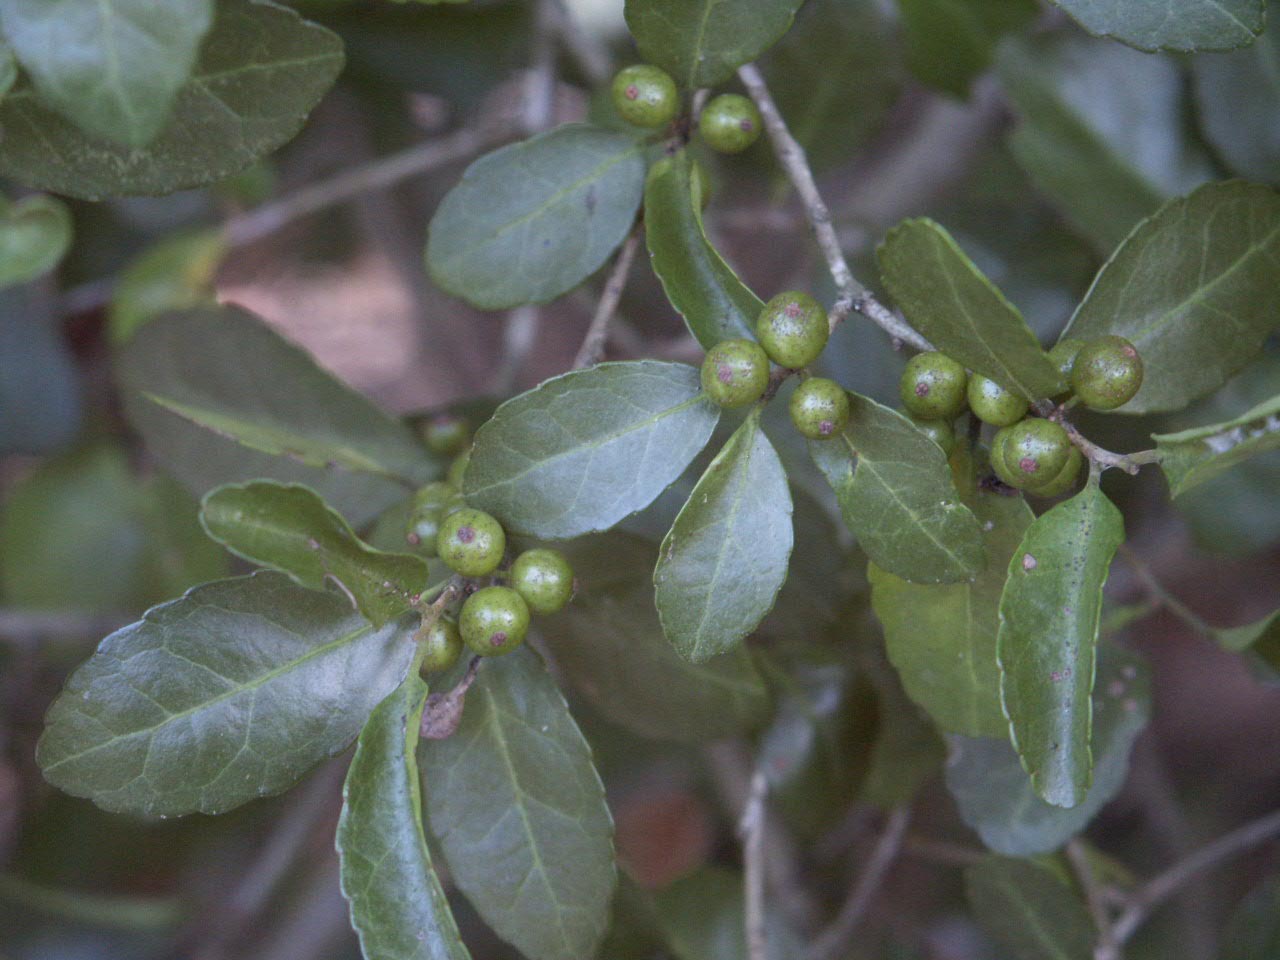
{"x": 939, "y": 431}
{"x": 494, "y": 620}
{"x": 471, "y": 542}
{"x": 998, "y": 462}
{"x": 425, "y": 516}
{"x": 1107, "y": 373}
{"x": 645, "y": 96}
{"x": 544, "y": 579}
{"x": 1064, "y": 481}
{"x": 446, "y": 434}
{"x": 793, "y": 329}
{"x": 819, "y": 408}
{"x": 735, "y": 373}
{"x": 730, "y": 123}
{"x": 993, "y": 404}
{"x": 1063, "y": 356}
{"x": 441, "y": 645}
{"x": 1034, "y": 450}
{"x": 932, "y": 386}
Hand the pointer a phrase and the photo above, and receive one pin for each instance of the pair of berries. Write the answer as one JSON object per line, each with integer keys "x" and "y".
{"x": 646, "y": 96}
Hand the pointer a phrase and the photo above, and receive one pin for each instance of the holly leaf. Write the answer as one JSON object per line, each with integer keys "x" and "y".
{"x": 1260, "y": 640}
{"x": 725, "y": 559}
{"x": 583, "y": 450}
{"x": 1238, "y": 106}
{"x": 1030, "y": 909}
{"x": 229, "y": 693}
{"x": 1187, "y": 26}
{"x": 534, "y": 219}
{"x": 398, "y": 906}
{"x": 177, "y": 273}
{"x": 261, "y": 70}
{"x": 947, "y": 298}
{"x": 1193, "y": 287}
{"x": 897, "y": 497}
{"x": 1049, "y": 616}
{"x": 702, "y": 42}
{"x": 220, "y": 397}
{"x": 35, "y": 233}
{"x": 520, "y": 813}
{"x": 610, "y": 635}
{"x": 994, "y": 796}
{"x": 113, "y": 68}
{"x": 288, "y": 528}
{"x": 941, "y": 638}
{"x": 1190, "y": 457}
{"x": 950, "y": 42}
{"x": 715, "y": 304}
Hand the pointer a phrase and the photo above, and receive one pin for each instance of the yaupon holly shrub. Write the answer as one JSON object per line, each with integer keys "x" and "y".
{"x": 742, "y": 589}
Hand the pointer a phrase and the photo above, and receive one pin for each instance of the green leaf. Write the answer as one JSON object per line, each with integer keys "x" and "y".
{"x": 111, "y": 67}
{"x": 942, "y": 638}
{"x": 8, "y": 68}
{"x": 1260, "y": 640}
{"x": 290, "y": 529}
{"x": 583, "y": 450}
{"x": 1187, "y": 25}
{"x": 175, "y": 274}
{"x": 397, "y": 904}
{"x": 1193, "y": 288}
{"x": 532, "y": 220}
{"x": 610, "y": 635}
{"x": 1102, "y": 131}
{"x": 35, "y": 233}
{"x": 520, "y": 812}
{"x": 1253, "y": 932}
{"x": 715, "y": 304}
{"x": 220, "y": 397}
{"x": 994, "y": 796}
{"x": 1049, "y": 616}
{"x": 702, "y": 42}
{"x": 947, "y": 298}
{"x": 1029, "y": 909}
{"x": 261, "y": 70}
{"x": 1238, "y": 105}
{"x": 897, "y": 497}
{"x": 1191, "y": 457}
{"x": 725, "y": 559}
{"x": 950, "y": 42}
{"x": 229, "y": 693}
{"x": 908, "y": 752}
{"x": 702, "y": 919}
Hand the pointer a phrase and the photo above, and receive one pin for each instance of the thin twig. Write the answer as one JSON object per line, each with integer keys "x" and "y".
{"x": 593, "y": 343}
{"x": 751, "y": 828}
{"x": 833, "y": 941}
{"x": 1106, "y": 947}
{"x": 1128, "y": 462}
{"x": 853, "y": 295}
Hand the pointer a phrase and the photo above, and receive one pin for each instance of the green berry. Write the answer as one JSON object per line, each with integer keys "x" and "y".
{"x": 1107, "y": 373}
{"x": 1064, "y": 481}
{"x": 425, "y": 516}
{"x": 494, "y": 620}
{"x": 998, "y": 462}
{"x": 793, "y": 329}
{"x": 645, "y": 96}
{"x": 819, "y": 408}
{"x": 939, "y": 431}
{"x": 446, "y": 434}
{"x": 932, "y": 386}
{"x": 441, "y": 646}
{"x": 1035, "y": 451}
{"x": 455, "y": 503}
{"x": 735, "y": 373}
{"x": 458, "y": 468}
{"x": 1063, "y": 356}
{"x": 993, "y": 404}
{"x": 730, "y": 123}
{"x": 471, "y": 542}
{"x": 544, "y": 579}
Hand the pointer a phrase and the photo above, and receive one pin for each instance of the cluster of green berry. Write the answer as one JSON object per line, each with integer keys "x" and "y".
{"x": 494, "y": 617}
{"x": 646, "y": 96}
{"x": 1030, "y": 454}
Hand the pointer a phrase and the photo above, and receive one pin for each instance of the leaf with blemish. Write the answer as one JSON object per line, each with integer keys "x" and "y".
{"x": 1191, "y": 457}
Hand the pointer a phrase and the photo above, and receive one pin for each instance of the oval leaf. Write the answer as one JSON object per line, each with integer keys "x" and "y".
{"x": 1260, "y": 640}
{"x": 1049, "y": 615}
{"x": 534, "y": 219}
{"x": 290, "y": 529}
{"x": 725, "y": 559}
{"x": 951, "y": 42}
{"x": 177, "y": 273}
{"x": 1194, "y": 288}
{"x": 1188, "y": 25}
{"x": 583, "y": 450}
{"x": 397, "y": 904}
{"x": 947, "y": 298}
{"x": 229, "y": 693}
{"x": 261, "y": 70}
{"x": 1029, "y": 909}
{"x": 1191, "y": 457}
{"x": 897, "y": 497}
{"x": 702, "y": 42}
{"x": 941, "y": 638}
{"x": 519, "y": 810}
{"x": 34, "y": 235}
{"x": 715, "y": 304}
{"x": 111, "y": 67}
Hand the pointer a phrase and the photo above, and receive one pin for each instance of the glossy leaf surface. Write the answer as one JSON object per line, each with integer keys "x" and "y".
{"x": 1187, "y": 25}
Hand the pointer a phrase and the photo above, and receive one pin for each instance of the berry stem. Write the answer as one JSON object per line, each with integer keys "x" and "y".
{"x": 593, "y": 343}
{"x": 1130, "y": 463}
{"x": 430, "y": 614}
